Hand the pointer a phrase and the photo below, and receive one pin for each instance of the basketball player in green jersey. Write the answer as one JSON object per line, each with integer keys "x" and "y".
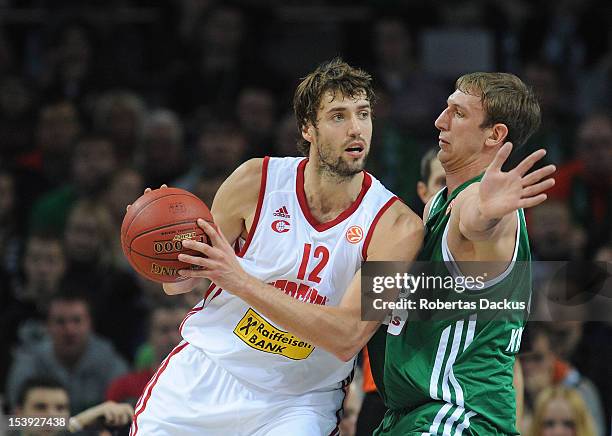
{"x": 453, "y": 375}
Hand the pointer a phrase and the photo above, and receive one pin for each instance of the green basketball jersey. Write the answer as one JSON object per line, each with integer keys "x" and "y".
{"x": 452, "y": 373}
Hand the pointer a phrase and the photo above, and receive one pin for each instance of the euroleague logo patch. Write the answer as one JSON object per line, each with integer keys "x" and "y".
{"x": 354, "y": 234}
{"x": 280, "y": 226}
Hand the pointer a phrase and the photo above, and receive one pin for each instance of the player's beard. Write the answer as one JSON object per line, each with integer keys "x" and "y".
{"x": 337, "y": 166}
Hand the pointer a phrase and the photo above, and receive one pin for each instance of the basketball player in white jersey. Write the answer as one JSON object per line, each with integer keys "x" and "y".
{"x": 270, "y": 348}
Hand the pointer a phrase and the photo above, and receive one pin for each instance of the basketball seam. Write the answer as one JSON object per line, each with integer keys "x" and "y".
{"x": 153, "y": 201}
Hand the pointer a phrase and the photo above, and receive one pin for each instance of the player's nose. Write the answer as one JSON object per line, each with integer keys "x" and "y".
{"x": 441, "y": 122}
{"x": 354, "y": 126}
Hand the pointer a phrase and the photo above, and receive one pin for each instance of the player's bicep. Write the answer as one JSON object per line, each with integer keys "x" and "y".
{"x": 398, "y": 235}
{"x": 236, "y": 198}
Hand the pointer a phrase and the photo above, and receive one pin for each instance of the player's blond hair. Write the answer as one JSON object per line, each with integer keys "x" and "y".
{"x": 583, "y": 422}
{"x": 336, "y": 76}
{"x": 505, "y": 100}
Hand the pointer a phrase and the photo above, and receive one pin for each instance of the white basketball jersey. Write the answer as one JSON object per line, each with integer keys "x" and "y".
{"x": 310, "y": 261}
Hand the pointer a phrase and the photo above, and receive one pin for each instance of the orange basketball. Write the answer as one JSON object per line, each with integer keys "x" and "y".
{"x": 155, "y": 226}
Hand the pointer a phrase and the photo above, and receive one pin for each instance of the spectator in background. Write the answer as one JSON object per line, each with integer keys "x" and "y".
{"x": 163, "y": 336}
{"x": 47, "y": 166}
{"x": 126, "y": 185}
{"x": 287, "y": 135}
{"x": 115, "y": 294}
{"x": 73, "y": 354}
{"x": 44, "y": 397}
{"x": 561, "y": 411}
{"x": 256, "y": 113}
{"x": 162, "y": 156}
{"x": 22, "y": 321}
{"x": 587, "y": 181}
{"x": 433, "y": 177}
{"x": 415, "y": 95}
{"x": 220, "y": 147}
{"x": 22, "y": 316}
{"x": 93, "y": 163}
{"x": 543, "y": 369}
{"x": 553, "y": 235}
{"x": 558, "y": 122}
{"x": 70, "y": 71}
{"x": 396, "y": 157}
{"x": 11, "y": 231}
{"x": 120, "y": 115}
{"x": 215, "y": 67}
{"x": 16, "y": 117}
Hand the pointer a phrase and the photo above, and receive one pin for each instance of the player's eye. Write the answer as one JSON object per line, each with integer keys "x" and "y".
{"x": 364, "y": 115}
{"x": 459, "y": 114}
{"x": 337, "y": 117}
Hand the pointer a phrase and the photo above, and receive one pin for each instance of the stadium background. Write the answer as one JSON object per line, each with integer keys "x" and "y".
{"x": 100, "y": 99}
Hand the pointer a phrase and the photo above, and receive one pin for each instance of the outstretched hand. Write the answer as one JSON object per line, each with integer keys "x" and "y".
{"x": 218, "y": 262}
{"x": 501, "y": 193}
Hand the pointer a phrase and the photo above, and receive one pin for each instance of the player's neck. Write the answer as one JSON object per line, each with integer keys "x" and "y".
{"x": 327, "y": 194}
{"x": 456, "y": 175}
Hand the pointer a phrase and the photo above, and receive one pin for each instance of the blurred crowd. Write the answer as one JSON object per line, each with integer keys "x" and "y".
{"x": 99, "y": 100}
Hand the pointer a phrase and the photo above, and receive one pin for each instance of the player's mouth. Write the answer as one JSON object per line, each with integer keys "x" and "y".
{"x": 355, "y": 149}
{"x": 442, "y": 142}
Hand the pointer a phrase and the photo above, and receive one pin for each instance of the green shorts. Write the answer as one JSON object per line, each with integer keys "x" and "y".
{"x": 437, "y": 418}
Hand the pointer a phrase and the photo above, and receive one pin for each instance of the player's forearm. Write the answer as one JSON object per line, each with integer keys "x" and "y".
{"x": 473, "y": 223}
{"x": 181, "y": 287}
{"x": 334, "y": 329}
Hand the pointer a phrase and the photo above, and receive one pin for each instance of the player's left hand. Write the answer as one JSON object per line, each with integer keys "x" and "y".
{"x": 218, "y": 263}
{"x": 501, "y": 193}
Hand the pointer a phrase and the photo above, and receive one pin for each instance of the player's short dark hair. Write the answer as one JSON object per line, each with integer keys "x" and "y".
{"x": 336, "y": 76}
{"x": 505, "y": 100}
{"x": 37, "y": 382}
{"x": 426, "y": 164}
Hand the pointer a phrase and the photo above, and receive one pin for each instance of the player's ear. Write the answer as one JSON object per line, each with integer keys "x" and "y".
{"x": 422, "y": 191}
{"x": 308, "y": 132}
{"x": 497, "y": 136}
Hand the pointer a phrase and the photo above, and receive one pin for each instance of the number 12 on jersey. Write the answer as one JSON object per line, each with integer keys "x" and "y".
{"x": 320, "y": 252}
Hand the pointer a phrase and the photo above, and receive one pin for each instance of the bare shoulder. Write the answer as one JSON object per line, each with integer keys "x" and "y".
{"x": 241, "y": 188}
{"x": 398, "y": 235}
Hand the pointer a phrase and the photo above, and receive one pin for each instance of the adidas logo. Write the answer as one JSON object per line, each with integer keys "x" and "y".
{"x": 282, "y": 212}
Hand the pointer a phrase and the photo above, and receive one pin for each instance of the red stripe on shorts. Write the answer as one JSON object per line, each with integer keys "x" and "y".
{"x": 144, "y": 399}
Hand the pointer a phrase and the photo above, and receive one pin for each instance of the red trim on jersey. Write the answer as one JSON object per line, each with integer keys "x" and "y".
{"x": 262, "y": 191}
{"x": 301, "y": 195}
{"x": 366, "y": 244}
{"x": 197, "y": 309}
{"x": 144, "y": 399}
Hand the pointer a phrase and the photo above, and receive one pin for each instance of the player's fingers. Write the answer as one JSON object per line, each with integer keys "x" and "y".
{"x": 197, "y": 246}
{"x": 127, "y": 207}
{"x": 529, "y": 161}
{"x": 538, "y": 188}
{"x": 538, "y": 175}
{"x": 163, "y": 186}
{"x": 109, "y": 416}
{"x": 212, "y": 233}
{"x": 147, "y": 190}
{"x": 532, "y": 201}
{"x": 501, "y": 156}
{"x": 194, "y": 260}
